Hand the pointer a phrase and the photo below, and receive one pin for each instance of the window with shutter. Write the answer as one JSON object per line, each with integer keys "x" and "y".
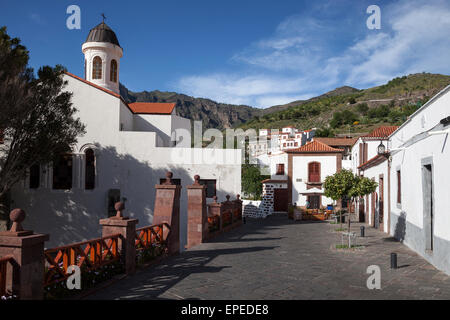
{"x": 280, "y": 169}
{"x": 314, "y": 172}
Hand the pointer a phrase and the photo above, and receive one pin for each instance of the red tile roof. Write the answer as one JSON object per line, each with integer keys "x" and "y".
{"x": 373, "y": 161}
{"x": 337, "y": 141}
{"x": 381, "y": 132}
{"x": 314, "y": 146}
{"x": 152, "y": 107}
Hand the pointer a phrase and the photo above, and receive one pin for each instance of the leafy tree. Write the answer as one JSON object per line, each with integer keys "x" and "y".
{"x": 251, "y": 181}
{"x": 343, "y": 118}
{"x": 324, "y": 132}
{"x": 346, "y": 184}
{"x": 362, "y": 108}
{"x": 36, "y": 115}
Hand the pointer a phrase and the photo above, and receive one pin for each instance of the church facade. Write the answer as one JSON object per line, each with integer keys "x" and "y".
{"x": 125, "y": 152}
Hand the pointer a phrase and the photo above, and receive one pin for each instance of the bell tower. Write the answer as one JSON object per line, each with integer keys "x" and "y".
{"x": 102, "y": 53}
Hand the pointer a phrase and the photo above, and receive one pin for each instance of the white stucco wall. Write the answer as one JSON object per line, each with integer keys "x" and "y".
{"x": 300, "y": 176}
{"x": 280, "y": 158}
{"x": 374, "y": 173}
{"x": 125, "y": 160}
{"x": 434, "y": 149}
{"x": 371, "y": 151}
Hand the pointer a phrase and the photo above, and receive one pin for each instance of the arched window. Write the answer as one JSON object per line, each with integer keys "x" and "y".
{"x": 113, "y": 71}
{"x": 97, "y": 68}
{"x": 314, "y": 172}
{"x": 89, "y": 181}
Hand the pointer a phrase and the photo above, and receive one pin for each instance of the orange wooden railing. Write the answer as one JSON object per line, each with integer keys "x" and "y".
{"x": 91, "y": 254}
{"x": 147, "y": 237}
{"x": 3, "y": 266}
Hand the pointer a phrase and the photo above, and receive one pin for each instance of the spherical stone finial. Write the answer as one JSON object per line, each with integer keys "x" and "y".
{"x": 119, "y": 206}
{"x": 169, "y": 176}
{"x": 196, "y": 179}
{"x": 228, "y": 197}
{"x": 238, "y": 196}
{"x": 17, "y": 216}
{"x": 215, "y": 199}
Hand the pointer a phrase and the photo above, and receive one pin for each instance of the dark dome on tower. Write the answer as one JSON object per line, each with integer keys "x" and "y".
{"x": 102, "y": 33}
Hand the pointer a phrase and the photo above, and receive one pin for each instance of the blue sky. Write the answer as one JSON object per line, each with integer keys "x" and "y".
{"x": 254, "y": 52}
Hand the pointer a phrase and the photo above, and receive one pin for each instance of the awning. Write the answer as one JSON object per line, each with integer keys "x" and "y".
{"x": 312, "y": 191}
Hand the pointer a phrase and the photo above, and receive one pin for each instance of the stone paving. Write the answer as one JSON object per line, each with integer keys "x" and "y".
{"x": 277, "y": 258}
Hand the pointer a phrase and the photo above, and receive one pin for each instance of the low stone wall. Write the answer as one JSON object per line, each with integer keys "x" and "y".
{"x": 253, "y": 209}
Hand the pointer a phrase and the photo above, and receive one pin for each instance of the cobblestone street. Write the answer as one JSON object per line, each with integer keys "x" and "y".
{"x": 277, "y": 258}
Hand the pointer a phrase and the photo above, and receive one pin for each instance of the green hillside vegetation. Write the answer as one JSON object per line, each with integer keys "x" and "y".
{"x": 359, "y": 111}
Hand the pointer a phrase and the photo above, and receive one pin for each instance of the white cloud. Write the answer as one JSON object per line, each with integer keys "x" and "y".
{"x": 301, "y": 59}
{"x": 235, "y": 89}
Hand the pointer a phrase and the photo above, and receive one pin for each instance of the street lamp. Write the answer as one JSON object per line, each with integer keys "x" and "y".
{"x": 381, "y": 149}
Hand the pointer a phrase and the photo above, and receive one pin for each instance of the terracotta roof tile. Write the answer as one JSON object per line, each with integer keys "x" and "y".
{"x": 373, "y": 161}
{"x": 381, "y": 132}
{"x": 152, "y": 107}
{"x": 315, "y": 146}
{"x": 337, "y": 141}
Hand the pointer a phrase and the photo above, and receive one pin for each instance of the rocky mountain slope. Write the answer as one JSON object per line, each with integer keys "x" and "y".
{"x": 398, "y": 94}
{"x": 211, "y": 113}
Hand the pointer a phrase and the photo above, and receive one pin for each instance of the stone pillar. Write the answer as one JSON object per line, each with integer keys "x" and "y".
{"x": 167, "y": 209}
{"x": 26, "y": 277}
{"x": 126, "y": 227}
{"x": 197, "y": 226}
{"x": 238, "y": 206}
{"x": 227, "y": 207}
{"x": 215, "y": 209}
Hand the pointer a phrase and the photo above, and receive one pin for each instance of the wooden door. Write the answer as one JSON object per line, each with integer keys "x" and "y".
{"x": 314, "y": 202}
{"x": 280, "y": 200}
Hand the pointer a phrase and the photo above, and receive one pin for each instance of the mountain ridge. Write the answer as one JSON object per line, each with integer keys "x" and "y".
{"x": 213, "y": 114}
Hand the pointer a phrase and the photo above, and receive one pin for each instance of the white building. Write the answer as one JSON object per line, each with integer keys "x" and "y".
{"x": 308, "y": 166}
{"x": 411, "y": 201}
{"x": 420, "y": 175}
{"x": 294, "y": 173}
{"x": 273, "y": 141}
{"x": 126, "y": 151}
{"x": 365, "y": 148}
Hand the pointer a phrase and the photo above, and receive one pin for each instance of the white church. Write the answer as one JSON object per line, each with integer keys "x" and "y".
{"x": 125, "y": 152}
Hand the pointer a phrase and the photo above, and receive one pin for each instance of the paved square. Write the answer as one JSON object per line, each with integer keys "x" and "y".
{"x": 277, "y": 258}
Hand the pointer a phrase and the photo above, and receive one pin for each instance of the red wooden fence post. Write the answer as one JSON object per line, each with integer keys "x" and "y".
{"x": 197, "y": 226}
{"x": 167, "y": 209}
{"x": 126, "y": 227}
{"x": 26, "y": 277}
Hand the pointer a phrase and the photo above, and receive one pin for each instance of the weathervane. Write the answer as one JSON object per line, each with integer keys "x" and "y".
{"x": 103, "y": 15}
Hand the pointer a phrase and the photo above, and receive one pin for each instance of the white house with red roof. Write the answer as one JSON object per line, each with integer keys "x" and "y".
{"x": 297, "y": 176}
{"x": 366, "y": 161}
{"x": 125, "y": 152}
